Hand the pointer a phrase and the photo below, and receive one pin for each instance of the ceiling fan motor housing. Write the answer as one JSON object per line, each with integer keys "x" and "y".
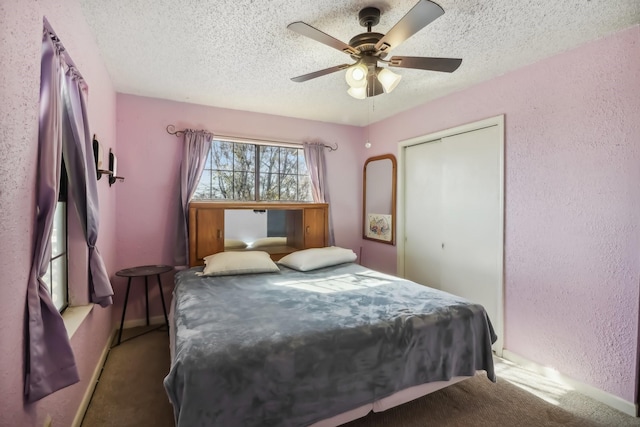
{"x": 369, "y": 16}
{"x": 365, "y": 43}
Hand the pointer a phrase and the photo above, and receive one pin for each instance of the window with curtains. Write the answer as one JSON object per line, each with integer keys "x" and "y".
{"x": 56, "y": 276}
{"x": 63, "y": 127}
{"x": 254, "y": 172}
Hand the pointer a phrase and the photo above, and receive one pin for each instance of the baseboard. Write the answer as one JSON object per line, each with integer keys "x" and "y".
{"x": 93, "y": 382}
{"x": 588, "y": 390}
{"x": 155, "y": 320}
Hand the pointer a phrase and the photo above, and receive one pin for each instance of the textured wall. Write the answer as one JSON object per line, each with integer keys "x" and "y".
{"x": 572, "y": 195}
{"x": 572, "y": 204}
{"x": 20, "y": 44}
{"x": 149, "y": 158}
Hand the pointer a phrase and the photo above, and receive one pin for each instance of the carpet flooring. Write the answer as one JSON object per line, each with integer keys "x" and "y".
{"x": 130, "y": 393}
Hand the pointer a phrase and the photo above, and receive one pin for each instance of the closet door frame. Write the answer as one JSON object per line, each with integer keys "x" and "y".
{"x": 400, "y": 221}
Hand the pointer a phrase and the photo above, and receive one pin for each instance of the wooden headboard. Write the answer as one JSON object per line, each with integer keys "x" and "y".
{"x": 307, "y": 226}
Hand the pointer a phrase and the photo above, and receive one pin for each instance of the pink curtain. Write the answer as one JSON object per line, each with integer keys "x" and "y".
{"x": 197, "y": 144}
{"x": 49, "y": 364}
{"x": 81, "y": 169}
{"x": 316, "y": 165}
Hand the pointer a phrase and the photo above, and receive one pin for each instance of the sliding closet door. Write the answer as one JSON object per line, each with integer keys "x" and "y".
{"x": 452, "y": 207}
{"x": 423, "y": 213}
{"x": 472, "y": 223}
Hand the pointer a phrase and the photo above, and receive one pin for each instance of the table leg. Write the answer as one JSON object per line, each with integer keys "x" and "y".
{"x": 124, "y": 309}
{"x": 146, "y": 298}
{"x": 164, "y": 308}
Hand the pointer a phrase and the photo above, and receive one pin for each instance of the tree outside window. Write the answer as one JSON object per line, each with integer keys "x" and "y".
{"x": 253, "y": 172}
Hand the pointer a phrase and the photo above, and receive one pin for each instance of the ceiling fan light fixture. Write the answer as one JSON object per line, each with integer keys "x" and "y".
{"x": 365, "y": 78}
{"x": 356, "y": 75}
{"x": 358, "y": 92}
{"x": 388, "y": 79}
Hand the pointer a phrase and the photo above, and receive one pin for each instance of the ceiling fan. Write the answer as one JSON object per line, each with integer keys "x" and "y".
{"x": 365, "y": 77}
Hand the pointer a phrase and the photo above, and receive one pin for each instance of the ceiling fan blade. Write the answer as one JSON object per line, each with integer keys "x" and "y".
{"x": 446, "y": 65}
{"x": 320, "y": 73}
{"x": 317, "y": 35}
{"x": 421, "y": 15}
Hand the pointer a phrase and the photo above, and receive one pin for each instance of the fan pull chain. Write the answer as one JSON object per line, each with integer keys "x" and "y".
{"x": 373, "y": 106}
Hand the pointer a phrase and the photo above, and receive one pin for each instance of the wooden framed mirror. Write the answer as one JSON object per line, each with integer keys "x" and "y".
{"x": 379, "y": 199}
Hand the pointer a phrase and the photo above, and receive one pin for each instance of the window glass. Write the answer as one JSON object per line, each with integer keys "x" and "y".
{"x": 269, "y": 186}
{"x": 288, "y": 187}
{"x": 252, "y": 172}
{"x": 203, "y": 190}
{"x": 244, "y": 158}
{"x": 59, "y": 233}
{"x": 244, "y": 185}
{"x": 221, "y": 185}
{"x": 302, "y": 165}
{"x": 221, "y": 155}
{"x": 59, "y": 281}
{"x": 56, "y": 275}
{"x": 59, "y": 255}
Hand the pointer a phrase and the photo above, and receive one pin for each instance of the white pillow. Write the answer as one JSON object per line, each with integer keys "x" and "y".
{"x": 312, "y": 259}
{"x": 234, "y": 244}
{"x": 228, "y": 263}
{"x": 269, "y": 241}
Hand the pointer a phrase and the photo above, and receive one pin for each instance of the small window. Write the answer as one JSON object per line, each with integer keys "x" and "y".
{"x": 56, "y": 276}
{"x": 254, "y": 172}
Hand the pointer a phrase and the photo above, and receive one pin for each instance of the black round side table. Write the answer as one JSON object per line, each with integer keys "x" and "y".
{"x": 144, "y": 271}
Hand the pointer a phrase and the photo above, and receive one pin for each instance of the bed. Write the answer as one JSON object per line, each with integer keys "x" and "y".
{"x": 284, "y": 347}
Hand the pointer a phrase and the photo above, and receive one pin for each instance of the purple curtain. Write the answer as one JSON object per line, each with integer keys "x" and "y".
{"x": 81, "y": 169}
{"x": 49, "y": 364}
{"x": 195, "y": 151}
{"x": 316, "y": 165}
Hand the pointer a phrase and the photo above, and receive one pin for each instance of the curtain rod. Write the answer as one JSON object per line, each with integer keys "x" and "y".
{"x": 64, "y": 54}
{"x": 171, "y": 129}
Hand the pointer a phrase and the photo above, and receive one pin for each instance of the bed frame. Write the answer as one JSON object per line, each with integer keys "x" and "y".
{"x": 396, "y": 399}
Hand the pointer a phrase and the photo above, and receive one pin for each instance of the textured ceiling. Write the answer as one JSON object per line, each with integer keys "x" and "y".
{"x": 239, "y": 54}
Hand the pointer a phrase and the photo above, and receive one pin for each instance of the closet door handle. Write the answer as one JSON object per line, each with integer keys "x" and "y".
{"x": 308, "y": 229}
{"x": 219, "y": 234}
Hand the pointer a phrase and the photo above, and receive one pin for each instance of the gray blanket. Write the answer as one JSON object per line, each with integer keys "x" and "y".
{"x": 292, "y": 348}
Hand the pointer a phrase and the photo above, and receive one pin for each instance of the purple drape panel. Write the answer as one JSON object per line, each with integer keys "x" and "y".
{"x": 49, "y": 364}
{"x": 316, "y": 165}
{"x": 195, "y": 151}
{"x": 81, "y": 169}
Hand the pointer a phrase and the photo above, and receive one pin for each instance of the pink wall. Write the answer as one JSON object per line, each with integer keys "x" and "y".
{"x": 20, "y": 43}
{"x": 572, "y": 198}
{"x": 572, "y": 204}
{"x": 149, "y": 159}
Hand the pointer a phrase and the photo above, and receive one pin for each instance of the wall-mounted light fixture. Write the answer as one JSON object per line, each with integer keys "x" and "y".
{"x": 113, "y": 163}
{"x": 98, "y": 157}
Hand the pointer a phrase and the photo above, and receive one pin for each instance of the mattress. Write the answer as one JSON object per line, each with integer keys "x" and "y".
{"x": 296, "y": 348}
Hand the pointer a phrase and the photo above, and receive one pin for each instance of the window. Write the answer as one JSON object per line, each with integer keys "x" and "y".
{"x": 56, "y": 275}
{"x": 254, "y": 172}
